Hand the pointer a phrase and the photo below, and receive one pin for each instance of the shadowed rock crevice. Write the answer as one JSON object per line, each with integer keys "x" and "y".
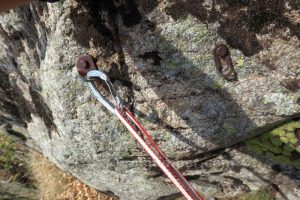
{"x": 241, "y": 20}
{"x": 94, "y": 21}
{"x": 96, "y": 27}
{"x": 129, "y": 12}
{"x": 153, "y": 56}
{"x": 90, "y": 19}
{"x": 41, "y": 109}
{"x": 13, "y": 105}
{"x": 17, "y": 40}
{"x": 19, "y": 109}
{"x": 28, "y": 42}
{"x": 17, "y": 134}
{"x": 21, "y": 40}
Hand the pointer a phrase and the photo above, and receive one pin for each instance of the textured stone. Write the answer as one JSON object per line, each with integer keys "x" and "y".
{"x": 158, "y": 54}
{"x": 17, "y": 191}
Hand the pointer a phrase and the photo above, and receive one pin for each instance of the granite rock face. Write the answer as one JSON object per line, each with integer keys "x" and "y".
{"x": 158, "y": 54}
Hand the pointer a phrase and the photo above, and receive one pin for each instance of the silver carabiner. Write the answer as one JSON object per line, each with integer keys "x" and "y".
{"x": 103, "y": 76}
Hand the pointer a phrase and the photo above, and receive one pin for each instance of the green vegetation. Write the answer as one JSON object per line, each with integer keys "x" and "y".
{"x": 281, "y": 144}
{"x": 240, "y": 62}
{"x": 12, "y": 164}
{"x": 262, "y": 194}
{"x": 229, "y": 128}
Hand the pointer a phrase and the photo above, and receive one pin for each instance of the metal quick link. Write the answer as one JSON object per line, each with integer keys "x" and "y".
{"x": 101, "y": 75}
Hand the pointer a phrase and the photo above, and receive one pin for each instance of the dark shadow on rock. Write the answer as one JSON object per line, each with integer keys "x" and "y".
{"x": 270, "y": 183}
{"x": 241, "y": 20}
{"x": 16, "y": 108}
{"x": 95, "y": 22}
{"x": 95, "y": 26}
{"x": 90, "y": 25}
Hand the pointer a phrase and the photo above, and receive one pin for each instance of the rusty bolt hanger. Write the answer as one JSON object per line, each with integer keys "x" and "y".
{"x": 221, "y": 53}
{"x": 85, "y": 64}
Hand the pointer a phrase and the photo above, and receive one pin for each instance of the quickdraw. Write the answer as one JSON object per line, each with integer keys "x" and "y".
{"x": 87, "y": 69}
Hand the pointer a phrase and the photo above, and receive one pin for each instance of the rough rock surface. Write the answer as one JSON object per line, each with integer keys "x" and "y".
{"x": 158, "y": 54}
{"x": 17, "y": 191}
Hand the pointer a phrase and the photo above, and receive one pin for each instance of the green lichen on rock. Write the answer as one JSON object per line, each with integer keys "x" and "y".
{"x": 229, "y": 127}
{"x": 240, "y": 62}
{"x": 257, "y": 195}
{"x": 284, "y": 103}
{"x": 280, "y": 144}
{"x": 179, "y": 40}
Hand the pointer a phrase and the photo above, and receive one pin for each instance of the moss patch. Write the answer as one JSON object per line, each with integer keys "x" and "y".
{"x": 12, "y": 161}
{"x": 281, "y": 144}
{"x": 257, "y": 195}
{"x": 229, "y": 127}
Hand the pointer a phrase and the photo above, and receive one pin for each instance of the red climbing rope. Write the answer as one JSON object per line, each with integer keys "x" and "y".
{"x": 139, "y": 133}
{"x": 86, "y": 68}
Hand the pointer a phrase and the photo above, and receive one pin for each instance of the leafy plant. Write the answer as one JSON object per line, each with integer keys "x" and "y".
{"x": 280, "y": 144}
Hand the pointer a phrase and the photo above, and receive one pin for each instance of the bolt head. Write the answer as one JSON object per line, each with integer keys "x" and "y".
{"x": 83, "y": 64}
{"x": 222, "y": 50}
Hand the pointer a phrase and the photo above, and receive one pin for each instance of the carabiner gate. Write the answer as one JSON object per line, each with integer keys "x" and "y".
{"x": 101, "y": 75}
{"x": 87, "y": 70}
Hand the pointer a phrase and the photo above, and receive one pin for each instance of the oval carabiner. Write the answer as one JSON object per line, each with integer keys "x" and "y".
{"x": 88, "y": 71}
{"x": 103, "y": 76}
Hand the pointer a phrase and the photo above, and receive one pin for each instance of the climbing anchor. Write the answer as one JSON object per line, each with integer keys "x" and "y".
{"x": 221, "y": 53}
{"x": 87, "y": 70}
